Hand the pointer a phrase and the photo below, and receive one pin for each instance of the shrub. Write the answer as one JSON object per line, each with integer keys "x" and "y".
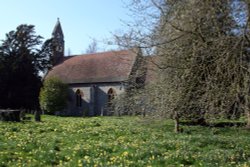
{"x": 53, "y": 95}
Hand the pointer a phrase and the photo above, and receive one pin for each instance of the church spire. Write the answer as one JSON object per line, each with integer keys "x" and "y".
{"x": 58, "y": 43}
{"x": 57, "y": 29}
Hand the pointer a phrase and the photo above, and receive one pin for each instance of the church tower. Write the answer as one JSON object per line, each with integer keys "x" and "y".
{"x": 58, "y": 43}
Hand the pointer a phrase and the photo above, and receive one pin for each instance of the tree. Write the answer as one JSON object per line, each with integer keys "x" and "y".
{"x": 21, "y": 62}
{"x": 46, "y": 54}
{"x": 203, "y": 54}
{"x": 189, "y": 34}
{"x": 215, "y": 75}
{"x": 53, "y": 96}
{"x": 92, "y": 47}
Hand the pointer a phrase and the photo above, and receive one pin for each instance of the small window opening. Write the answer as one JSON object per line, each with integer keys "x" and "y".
{"x": 111, "y": 96}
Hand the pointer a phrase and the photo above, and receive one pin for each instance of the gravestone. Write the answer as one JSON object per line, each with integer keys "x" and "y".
{"x": 10, "y": 115}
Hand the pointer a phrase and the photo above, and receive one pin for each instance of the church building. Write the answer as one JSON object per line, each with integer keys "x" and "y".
{"x": 94, "y": 80}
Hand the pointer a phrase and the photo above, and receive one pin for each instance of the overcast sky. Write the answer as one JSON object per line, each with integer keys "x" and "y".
{"x": 81, "y": 20}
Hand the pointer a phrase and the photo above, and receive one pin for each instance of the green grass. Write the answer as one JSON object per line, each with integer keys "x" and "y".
{"x": 120, "y": 141}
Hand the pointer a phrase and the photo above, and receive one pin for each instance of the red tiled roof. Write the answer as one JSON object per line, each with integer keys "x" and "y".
{"x": 113, "y": 66}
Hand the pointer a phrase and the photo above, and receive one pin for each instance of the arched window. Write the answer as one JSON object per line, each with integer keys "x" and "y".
{"x": 111, "y": 96}
{"x": 79, "y": 95}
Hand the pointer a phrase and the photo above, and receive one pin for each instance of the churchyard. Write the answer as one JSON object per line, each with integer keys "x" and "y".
{"x": 120, "y": 141}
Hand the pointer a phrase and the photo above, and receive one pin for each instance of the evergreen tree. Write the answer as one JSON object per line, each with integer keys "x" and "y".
{"x": 21, "y": 62}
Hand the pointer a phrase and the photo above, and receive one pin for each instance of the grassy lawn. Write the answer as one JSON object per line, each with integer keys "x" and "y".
{"x": 120, "y": 141}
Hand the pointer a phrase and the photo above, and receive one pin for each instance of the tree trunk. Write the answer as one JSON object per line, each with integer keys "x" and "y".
{"x": 176, "y": 122}
{"x": 247, "y": 111}
{"x": 248, "y": 119}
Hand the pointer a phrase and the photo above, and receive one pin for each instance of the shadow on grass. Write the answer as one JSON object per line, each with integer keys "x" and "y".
{"x": 217, "y": 124}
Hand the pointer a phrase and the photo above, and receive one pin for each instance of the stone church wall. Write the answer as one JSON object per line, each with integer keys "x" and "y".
{"x": 94, "y": 98}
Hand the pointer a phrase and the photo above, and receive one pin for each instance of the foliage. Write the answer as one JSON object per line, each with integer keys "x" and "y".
{"x": 128, "y": 104}
{"x": 53, "y": 95}
{"x": 120, "y": 141}
{"x": 20, "y": 64}
{"x": 202, "y": 49}
{"x": 199, "y": 52}
{"x": 214, "y": 68}
{"x": 46, "y": 52}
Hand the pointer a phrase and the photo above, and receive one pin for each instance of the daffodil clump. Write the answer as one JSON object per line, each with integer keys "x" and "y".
{"x": 119, "y": 141}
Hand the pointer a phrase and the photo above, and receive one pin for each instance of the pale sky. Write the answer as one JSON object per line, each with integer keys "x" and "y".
{"x": 81, "y": 20}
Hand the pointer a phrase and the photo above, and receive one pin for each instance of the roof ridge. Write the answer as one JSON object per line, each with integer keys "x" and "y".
{"x": 99, "y": 53}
